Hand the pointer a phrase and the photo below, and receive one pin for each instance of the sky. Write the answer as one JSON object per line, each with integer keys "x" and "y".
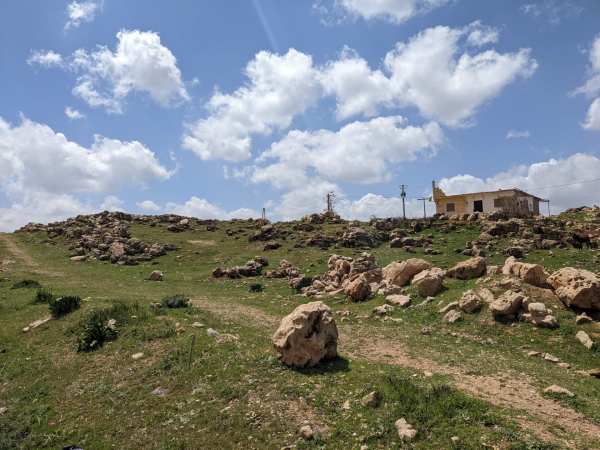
{"x": 218, "y": 109}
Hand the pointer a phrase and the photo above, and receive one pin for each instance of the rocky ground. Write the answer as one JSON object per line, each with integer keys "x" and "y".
{"x": 452, "y": 332}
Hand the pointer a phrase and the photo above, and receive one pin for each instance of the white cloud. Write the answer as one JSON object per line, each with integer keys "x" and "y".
{"x": 112, "y": 203}
{"x": 73, "y": 114}
{"x": 80, "y": 12}
{"x": 279, "y": 87}
{"x": 518, "y": 134}
{"x": 560, "y": 180}
{"x": 140, "y": 63}
{"x": 203, "y": 209}
{"x": 148, "y": 205}
{"x": 592, "y": 121}
{"x": 38, "y": 164}
{"x": 45, "y": 58}
{"x": 359, "y": 152}
{"x": 374, "y": 205}
{"x": 395, "y": 11}
{"x": 433, "y": 72}
{"x": 552, "y": 11}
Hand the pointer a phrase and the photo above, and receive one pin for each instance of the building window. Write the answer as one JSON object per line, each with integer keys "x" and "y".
{"x": 478, "y": 206}
{"x": 449, "y": 207}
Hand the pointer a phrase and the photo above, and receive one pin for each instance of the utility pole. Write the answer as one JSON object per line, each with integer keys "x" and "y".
{"x": 264, "y": 214}
{"x": 403, "y": 195}
{"x": 424, "y": 210}
{"x": 330, "y": 197}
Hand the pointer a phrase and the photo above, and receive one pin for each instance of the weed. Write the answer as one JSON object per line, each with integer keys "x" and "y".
{"x": 43, "y": 296}
{"x": 175, "y": 301}
{"x": 100, "y": 325}
{"x": 62, "y": 306}
{"x": 26, "y": 284}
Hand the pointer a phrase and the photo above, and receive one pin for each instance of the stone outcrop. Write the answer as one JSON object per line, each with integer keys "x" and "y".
{"x": 358, "y": 289}
{"x": 400, "y": 273}
{"x": 507, "y": 305}
{"x": 576, "y": 287}
{"x": 307, "y": 336}
{"x": 429, "y": 282}
{"x": 252, "y": 268}
{"x": 533, "y": 274}
{"x": 470, "y": 302}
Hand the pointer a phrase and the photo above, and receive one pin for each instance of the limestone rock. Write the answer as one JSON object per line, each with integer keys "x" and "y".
{"x": 471, "y": 268}
{"x": 533, "y": 274}
{"x": 470, "y": 302}
{"x": 156, "y": 276}
{"x": 406, "y": 431}
{"x": 583, "y": 318}
{"x": 576, "y": 287}
{"x": 400, "y": 273}
{"x": 307, "y": 336}
{"x": 371, "y": 400}
{"x": 452, "y": 316}
{"x": 507, "y": 305}
{"x": 585, "y": 339}
{"x": 358, "y": 289}
{"x": 383, "y": 310}
{"x": 429, "y": 282}
{"x": 555, "y": 389}
{"x": 398, "y": 300}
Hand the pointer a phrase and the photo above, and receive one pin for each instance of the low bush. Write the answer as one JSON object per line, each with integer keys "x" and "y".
{"x": 175, "y": 301}
{"x": 26, "y": 284}
{"x": 255, "y": 287}
{"x": 103, "y": 325}
{"x": 61, "y": 306}
{"x": 43, "y": 296}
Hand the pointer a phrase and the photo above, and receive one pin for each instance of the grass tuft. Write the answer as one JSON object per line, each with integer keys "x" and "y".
{"x": 62, "y": 306}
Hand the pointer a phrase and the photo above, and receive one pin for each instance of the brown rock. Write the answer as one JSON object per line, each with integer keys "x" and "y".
{"x": 429, "y": 282}
{"x": 398, "y": 300}
{"x": 400, "y": 273}
{"x": 507, "y": 305}
{"x": 156, "y": 275}
{"x": 471, "y": 268}
{"x": 533, "y": 274}
{"x": 555, "y": 389}
{"x": 406, "y": 432}
{"x": 307, "y": 336}
{"x": 585, "y": 339}
{"x": 358, "y": 289}
{"x": 452, "y": 316}
{"x": 470, "y": 302}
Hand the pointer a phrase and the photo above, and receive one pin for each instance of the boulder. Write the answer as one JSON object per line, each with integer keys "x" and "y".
{"x": 358, "y": 289}
{"x": 533, "y": 274}
{"x": 405, "y": 430}
{"x": 539, "y": 315}
{"x": 470, "y": 302}
{"x": 471, "y": 268}
{"x": 398, "y": 300}
{"x": 507, "y": 305}
{"x": 156, "y": 275}
{"x": 371, "y": 400}
{"x": 383, "y": 310}
{"x": 585, "y": 339}
{"x": 452, "y": 316}
{"x": 429, "y": 282}
{"x": 400, "y": 273}
{"x": 576, "y": 287}
{"x": 307, "y": 336}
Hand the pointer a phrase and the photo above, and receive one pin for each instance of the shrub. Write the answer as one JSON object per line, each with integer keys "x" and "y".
{"x": 175, "y": 301}
{"x": 26, "y": 284}
{"x": 255, "y": 287}
{"x": 43, "y": 296}
{"x": 64, "y": 305}
{"x": 100, "y": 325}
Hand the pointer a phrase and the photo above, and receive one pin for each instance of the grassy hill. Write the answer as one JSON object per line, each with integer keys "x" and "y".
{"x": 165, "y": 381}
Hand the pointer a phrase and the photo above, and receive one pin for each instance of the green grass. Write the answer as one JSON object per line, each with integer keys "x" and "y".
{"x": 234, "y": 393}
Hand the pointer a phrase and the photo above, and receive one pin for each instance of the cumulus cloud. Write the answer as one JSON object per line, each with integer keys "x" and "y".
{"x": 73, "y": 114}
{"x": 112, "y": 203}
{"x": 591, "y": 87}
{"x": 279, "y": 87}
{"x": 359, "y": 152}
{"x": 140, "y": 63}
{"x": 563, "y": 181}
{"x": 80, "y": 12}
{"x": 592, "y": 121}
{"x": 38, "y": 164}
{"x": 517, "y": 134}
{"x": 45, "y": 58}
{"x": 433, "y": 72}
{"x": 394, "y": 11}
{"x": 203, "y": 209}
{"x": 148, "y": 205}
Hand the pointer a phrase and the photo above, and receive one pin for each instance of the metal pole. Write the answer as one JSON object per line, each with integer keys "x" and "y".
{"x": 424, "y": 210}
{"x": 403, "y": 195}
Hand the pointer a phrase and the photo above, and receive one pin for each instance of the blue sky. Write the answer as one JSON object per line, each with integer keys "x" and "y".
{"x": 217, "y": 109}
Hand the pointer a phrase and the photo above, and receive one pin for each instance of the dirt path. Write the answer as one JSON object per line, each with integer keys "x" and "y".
{"x": 548, "y": 419}
{"x": 20, "y": 254}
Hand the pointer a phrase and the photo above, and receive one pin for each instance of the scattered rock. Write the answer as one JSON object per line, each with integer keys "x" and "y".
{"x": 400, "y": 273}
{"x": 470, "y": 302}
{"x": 383, "y": 310}
{"x": 448, "y": 307}
{"x": 36, "y": 323}
{"x": 583, "y": 318}
{"x": 137, "y": 356}
{"x": 555, "y": 389}
{"x": 585, "y": 339}
{"x": 398, "y": 300}
{"x": 358, "y": 289}
{"x": 406, "y": 432}
{"x": 160, "y": 392}
{"x": 371, "y": 400}
{"x": 429, "y": 282}
{"x": 307, "y": 336}
{"x": 576, "y": 287}
{"x": 156, "y": 276}
{"x": 507, "y": 305}
{"x": 466, "y": 270}
{"x": 452, "y": 316}
{"x": 533, "y": 274}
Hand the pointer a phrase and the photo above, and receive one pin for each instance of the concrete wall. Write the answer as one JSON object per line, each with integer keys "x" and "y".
{"x": 464, "y": 204}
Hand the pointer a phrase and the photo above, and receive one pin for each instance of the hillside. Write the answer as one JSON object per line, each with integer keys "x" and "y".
{"x": 207, "y": 376}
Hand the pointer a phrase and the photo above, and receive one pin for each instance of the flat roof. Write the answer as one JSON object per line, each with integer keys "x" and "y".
{"x": 495, "y": 192}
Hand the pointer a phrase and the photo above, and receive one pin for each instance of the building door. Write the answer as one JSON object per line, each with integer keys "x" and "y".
{"x": 478, "y": 206}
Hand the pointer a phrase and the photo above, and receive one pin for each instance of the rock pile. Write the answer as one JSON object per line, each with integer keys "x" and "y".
{"x": 252, "y": 268}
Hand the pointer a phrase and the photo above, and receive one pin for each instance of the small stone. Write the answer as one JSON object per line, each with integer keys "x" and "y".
{"x": 346, "y": 406}
{"x": 3, "y": 410}
{"x": 583, "y": 318}
{"x": 452, "y": 316}
{"x": 398, "y": 300}
{"x": 383, "y": 310}
{"x": 551, "y": 358}
{"x": 306, "y": 432}
{"x": 405, "y": 430}
{"x": 448, "y": 307}
{"x": 555, "y": 389}
{"x": 156, "y": 275}
{"x": 594, "y": 373}
{"x": 427, "y": 374}
{"x": 198, "y": 325}
{"x": 533, "y": 353}
{"x": 564, "y": 365}
{"x": 426, "y": 331}
{"x": 160, "y": 392}
{"x": 455, "y": 439}
{"x": 212, "y": 332}
{"x": 371, "y": 400}
{"x": 137, "y": 356}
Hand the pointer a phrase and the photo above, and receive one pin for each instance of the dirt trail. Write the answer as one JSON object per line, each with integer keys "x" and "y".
{"x": 549, "y": 420}
{"x": 22, "y": 255}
